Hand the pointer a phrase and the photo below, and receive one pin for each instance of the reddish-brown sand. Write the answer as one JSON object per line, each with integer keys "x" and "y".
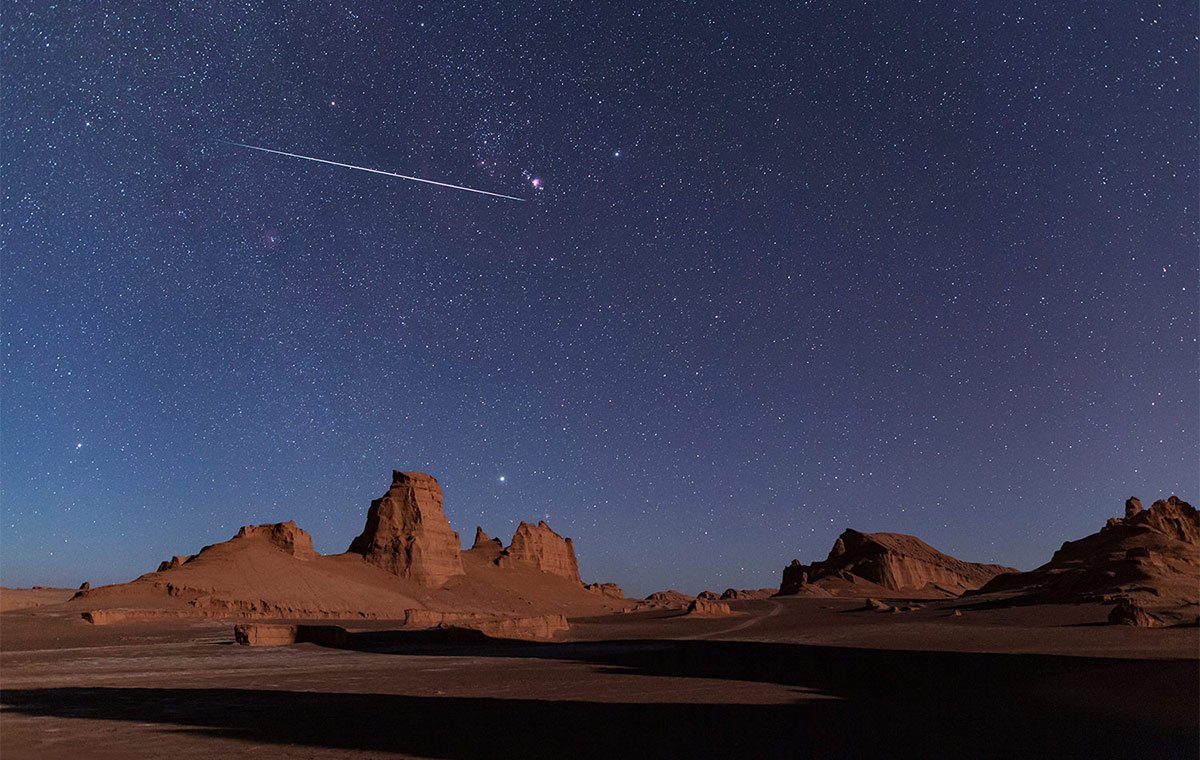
{"x": 783, "y": 677}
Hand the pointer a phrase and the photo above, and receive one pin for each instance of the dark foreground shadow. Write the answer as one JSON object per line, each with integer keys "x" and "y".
{"x": 885, "y": 703}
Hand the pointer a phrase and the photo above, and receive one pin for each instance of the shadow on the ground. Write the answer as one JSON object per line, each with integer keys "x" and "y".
{"x": 891, "y": 703}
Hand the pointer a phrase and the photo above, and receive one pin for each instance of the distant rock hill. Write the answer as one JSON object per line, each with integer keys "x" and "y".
{"x": 865, "y": 563}
{"x": 1151, "y": 556}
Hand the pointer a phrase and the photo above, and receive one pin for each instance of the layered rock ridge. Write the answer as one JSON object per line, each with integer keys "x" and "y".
{"x": 892, "y": 561}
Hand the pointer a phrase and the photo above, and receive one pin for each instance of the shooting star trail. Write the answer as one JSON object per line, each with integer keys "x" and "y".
{"x": 375, "y": 171}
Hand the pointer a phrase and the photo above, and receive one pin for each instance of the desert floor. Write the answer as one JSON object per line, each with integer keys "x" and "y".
{"x": 791, "y": 677}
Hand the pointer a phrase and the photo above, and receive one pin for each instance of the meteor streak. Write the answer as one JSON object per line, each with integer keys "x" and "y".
{"x": 374, "y": 171}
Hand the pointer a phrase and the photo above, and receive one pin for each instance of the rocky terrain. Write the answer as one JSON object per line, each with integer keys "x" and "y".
{"x": 862, "y": 564}
{"x": 1149, "y": 557}
{"x": 407, "y": 560}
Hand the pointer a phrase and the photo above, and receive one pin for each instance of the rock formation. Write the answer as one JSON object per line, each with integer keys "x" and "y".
{"x": 665, "y": 600}
{"x": 1130, "y": 613}
{"x": 611, "y": 590}
{"x": 286, "y": 536}
{"x": 483, "y": 540}
{"x": 413, "y": 561}
{"x": 540, "y": 547}
{"x": 711, "y": 596}
{"x": 268, "y": 635}
{"x": 496, "y": 626}
{"x": 734, "y": 594}
{"x": 707, "y": 608}
{"x": 892, "y": 561}
{"x": 1150, "y": 556}
{"x": 173, "y": 562}
{"x": 407, "y": 532}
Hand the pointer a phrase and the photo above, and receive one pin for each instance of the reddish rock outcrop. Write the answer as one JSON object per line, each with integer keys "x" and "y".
{"x": 286, "y": 536}
{"x": 665, "y": 600}
{"x": 540, "y": 547}
{"x": 735, "y": 594}
{"x": 892, "y": 561}
{"x": 707, "y": 608}
{"x": 611, "y": 590}
{"x": 483, "y": 540}
{"x": 1128, "y": 612}
{"x": 173, "y": 562}
{"x": 269, "y": 635}
{"x": 496, "y": 626}
{"x": 407, "y": 532}
{"x": 1150, "y": 556}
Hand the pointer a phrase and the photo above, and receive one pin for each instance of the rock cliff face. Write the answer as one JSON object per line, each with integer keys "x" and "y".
{"x": 407, "y": 532}
{"x": 1150, "y": 555}
{"x": 286, "y": 536}
{"x": 893, "y": 561}
{"x": 539, "y": 546}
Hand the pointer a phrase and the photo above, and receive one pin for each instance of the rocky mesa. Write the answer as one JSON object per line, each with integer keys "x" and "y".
{"x": 863, "y": 563}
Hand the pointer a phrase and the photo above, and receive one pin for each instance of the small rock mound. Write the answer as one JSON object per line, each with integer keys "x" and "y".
{"x": 707, "y": 608}
{"x": 878, "y": 606}
{"x": 538, "y": 627}
{"x": 665, "y": 600}
{"x": 1128, "y": 612}
{"x": 736, "y": 594}
{"x": 711, "y": 596}
{"x": 611, "y": 590}
{"x": 270, "y": 635}
{"x": 173, "y": 562}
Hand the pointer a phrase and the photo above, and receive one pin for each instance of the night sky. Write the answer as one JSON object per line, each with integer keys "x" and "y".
{"x": 780, "y": 270}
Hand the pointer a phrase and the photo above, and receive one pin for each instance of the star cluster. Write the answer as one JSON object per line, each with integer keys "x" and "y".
{"x": 781, "y": 270}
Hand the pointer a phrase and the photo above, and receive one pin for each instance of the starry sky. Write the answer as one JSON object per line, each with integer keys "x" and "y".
{"x": 779, "y": 270}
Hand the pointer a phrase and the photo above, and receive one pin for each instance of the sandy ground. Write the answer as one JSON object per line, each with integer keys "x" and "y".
{"x": 789, "y": 677}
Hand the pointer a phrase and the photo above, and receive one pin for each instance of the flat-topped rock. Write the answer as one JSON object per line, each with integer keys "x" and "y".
{"x": 285, "y": 536}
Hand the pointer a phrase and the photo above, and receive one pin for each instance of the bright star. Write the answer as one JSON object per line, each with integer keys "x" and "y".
{"x": 501, "y": 478}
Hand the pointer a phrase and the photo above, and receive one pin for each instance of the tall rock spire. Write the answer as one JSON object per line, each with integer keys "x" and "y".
{"x": 407, "y": 532}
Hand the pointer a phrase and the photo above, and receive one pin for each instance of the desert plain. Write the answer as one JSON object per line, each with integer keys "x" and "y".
{"x": 408, "y": 645}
